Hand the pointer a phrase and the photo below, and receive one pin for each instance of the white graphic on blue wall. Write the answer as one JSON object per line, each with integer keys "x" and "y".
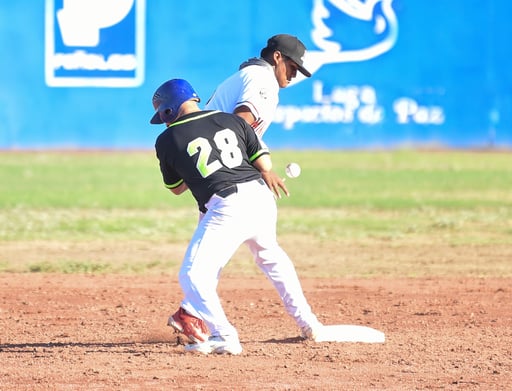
{"x": 352, "y": 31}
{"x": 94, "y": 43}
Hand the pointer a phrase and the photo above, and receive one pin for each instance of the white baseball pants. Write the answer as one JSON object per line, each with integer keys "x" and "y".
{"x": 247, "y": 216}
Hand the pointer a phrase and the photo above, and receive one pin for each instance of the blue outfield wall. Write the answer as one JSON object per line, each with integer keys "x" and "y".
{"x": 387, "y": 73}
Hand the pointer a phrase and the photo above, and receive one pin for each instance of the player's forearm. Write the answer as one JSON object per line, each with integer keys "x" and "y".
{"x": 263, "y": 163}
{"x": 180, "y": 189}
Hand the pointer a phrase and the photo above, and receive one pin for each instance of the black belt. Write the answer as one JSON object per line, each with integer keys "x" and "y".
{"x": 227, "y": 191}
{"x": 232, "y": 189}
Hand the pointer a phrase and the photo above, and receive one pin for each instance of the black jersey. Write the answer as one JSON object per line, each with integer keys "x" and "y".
{"x": 209, "y": 151}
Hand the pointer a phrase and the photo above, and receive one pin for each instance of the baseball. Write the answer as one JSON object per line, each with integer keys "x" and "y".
{"x": 293, "y": 170}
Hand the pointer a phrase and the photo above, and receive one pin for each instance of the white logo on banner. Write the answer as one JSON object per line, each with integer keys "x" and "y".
{"x": 349, "y": 104}
{"x": 383, "y": 24}
{"x": 94, "y": 43}
{"x": 80, "y": 21}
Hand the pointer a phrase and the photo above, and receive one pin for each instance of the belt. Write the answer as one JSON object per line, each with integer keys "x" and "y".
{"x": 227, "y": 191}
{"x": 232, "y": 189}
{"x": 223, "y": 193}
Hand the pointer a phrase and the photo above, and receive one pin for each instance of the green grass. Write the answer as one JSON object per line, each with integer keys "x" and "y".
{"x": 371, "y": 199}
{"x": 385, "y": 180}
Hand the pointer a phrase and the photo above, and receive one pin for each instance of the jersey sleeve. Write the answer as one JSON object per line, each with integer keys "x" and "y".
{"x": 168, "y": 181}
{"x": 170, "y": 177}
{"x": 260, "y": 95}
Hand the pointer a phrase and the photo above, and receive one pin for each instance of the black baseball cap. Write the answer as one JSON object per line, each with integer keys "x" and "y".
{"x": 291, "y": 47}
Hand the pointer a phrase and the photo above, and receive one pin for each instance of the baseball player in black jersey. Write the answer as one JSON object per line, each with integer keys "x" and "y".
{"x": 220, "y": 159}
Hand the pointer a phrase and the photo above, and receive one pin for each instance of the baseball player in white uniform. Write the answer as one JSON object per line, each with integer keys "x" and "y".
{"x": 253, "y": 91}
{"x": 220, "y": 159}
{"x": 253, "y": 94}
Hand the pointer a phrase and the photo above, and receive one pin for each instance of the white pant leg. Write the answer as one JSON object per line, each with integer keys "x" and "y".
{"x": 278, "y": 267}
{"x": 215, "y": 240}
{"x": 248, "y": 216}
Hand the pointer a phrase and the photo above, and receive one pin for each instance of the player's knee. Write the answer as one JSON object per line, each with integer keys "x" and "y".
{"x": 197, "y": 280}
{"x": 269, "y": 256}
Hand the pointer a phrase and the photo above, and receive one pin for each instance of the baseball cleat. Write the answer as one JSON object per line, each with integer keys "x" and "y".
{"x": 217, "y": 345}
{"x": 311, "y": 332}
{"x": 194, "y": 328}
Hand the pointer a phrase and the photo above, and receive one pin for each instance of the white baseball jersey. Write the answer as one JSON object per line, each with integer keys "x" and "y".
{"x": 254, "y": 86}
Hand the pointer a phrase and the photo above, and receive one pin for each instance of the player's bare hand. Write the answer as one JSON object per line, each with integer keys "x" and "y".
{"x": 275, "y": 183}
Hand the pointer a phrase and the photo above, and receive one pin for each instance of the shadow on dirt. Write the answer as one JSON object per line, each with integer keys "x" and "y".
{"x": 96, "y": 346}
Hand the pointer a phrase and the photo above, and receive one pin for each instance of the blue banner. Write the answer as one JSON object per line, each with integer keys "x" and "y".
{"x": 386, "y": 73}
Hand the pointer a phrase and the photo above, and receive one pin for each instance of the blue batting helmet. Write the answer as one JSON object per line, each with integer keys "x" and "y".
{"x": 168, "y": 98}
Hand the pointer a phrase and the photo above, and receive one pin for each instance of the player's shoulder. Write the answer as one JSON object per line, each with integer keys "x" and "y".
{"x": 226, "y": 117}
{"x": 231, "y": 121}
{"x": 162, "y": 140}
{"x": 260, "y": 82}
{"x": 256, "y": 72}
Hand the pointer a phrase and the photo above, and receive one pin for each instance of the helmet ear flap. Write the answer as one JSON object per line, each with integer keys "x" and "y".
{"x": 167, "y": 115}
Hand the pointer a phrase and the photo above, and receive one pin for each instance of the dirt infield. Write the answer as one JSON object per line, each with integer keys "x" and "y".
{"x": 74, "y": 332}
